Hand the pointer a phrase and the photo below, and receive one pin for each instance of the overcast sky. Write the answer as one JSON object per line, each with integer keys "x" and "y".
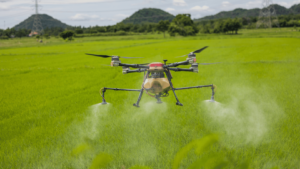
{"x": 109, "y": 12}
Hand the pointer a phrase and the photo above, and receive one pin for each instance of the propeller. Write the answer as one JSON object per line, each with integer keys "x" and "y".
{"x": 199, "y": 50}
{"x": 106, "y": 56}
{"x": 138, "y": 64}
{"x": 209, "y": 63}
{"x": 196, "y": 51}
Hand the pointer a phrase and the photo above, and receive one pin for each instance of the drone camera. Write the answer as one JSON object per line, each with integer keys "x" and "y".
{"x": 125, "y": 69}
{"x": 115, "y": 61}
{"x": 195, "y": 67}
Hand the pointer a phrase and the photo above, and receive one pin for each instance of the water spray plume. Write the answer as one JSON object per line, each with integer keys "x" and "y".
{"x": 245, "y": 119}
{"x": 211, "y": 101}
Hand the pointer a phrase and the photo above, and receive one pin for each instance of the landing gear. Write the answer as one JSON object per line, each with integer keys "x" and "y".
{"x": 139, "y": 99}
{"x": 179, "y": 104}
{"x": 173, "y": 89}
{"x": 136, "y": 105}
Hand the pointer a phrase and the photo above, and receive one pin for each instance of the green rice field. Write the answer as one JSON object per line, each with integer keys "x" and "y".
{"x": 50, "y": 116}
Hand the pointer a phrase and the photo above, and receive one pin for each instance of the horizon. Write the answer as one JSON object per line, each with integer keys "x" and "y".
{"x": 86, "y": 12}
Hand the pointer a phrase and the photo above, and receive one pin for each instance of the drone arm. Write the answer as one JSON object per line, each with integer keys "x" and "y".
{"x": 133, "y": 71}
{"x": 133, "y": 65}
{"x": 103, "y": 90}
{"x": 180, "y": 69}
{"x": 177, "y": 64}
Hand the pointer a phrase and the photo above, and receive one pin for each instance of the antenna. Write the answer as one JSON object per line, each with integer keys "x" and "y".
{"x": 266, "y": 14}
{"x": 37, "y": 24}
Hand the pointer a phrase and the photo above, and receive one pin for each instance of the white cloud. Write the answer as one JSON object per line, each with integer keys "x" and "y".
{"x": 289, "y": 4}
{"x": 284, "y": 4}
{"x": 199, "y": 8}
{"x": 170, "y": 9}
{"x": 122, "y": 15}
{"x": 86, "y": 17}
{"x": 179, "y": 3}
{"x": 4, "y": 7}
{"x": 225, "y": 3}
{"x": 254, "y": 4}
{"x": 54, "y": 2}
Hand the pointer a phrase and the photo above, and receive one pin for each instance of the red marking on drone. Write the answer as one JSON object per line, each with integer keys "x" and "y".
{"x": 156, "y": 65}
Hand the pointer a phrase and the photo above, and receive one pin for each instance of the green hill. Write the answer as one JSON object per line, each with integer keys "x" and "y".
{"x": 47, "y": 21}
{"x": 152, "y": 15}
{"x": 239, "y": 12}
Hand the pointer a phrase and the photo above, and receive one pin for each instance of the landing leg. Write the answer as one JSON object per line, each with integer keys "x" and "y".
{"x": 169, "y": 78}
{"x": 178, "y": 102}
{"x": 139, "y": 99}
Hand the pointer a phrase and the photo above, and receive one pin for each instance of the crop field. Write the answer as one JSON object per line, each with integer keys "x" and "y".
{"x": 50, "y": 116}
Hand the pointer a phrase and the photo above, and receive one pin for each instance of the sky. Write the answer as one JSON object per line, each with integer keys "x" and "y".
{"x": 109, "y": 12}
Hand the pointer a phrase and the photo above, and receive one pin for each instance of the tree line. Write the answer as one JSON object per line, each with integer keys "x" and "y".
{"x": 182, "y": 25}
{"x": 211, "y": 26}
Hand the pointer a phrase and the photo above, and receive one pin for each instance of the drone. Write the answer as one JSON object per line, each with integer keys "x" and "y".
{"x": 157, "y": 80}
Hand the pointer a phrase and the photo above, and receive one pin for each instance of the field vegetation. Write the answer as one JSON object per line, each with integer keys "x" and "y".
{"x": 50, "y": 116}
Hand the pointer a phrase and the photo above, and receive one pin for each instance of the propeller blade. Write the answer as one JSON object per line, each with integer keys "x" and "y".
{"x": 106, "y": 65}
{"x": 104, "y": 56}
{"x": 129, "y": 57}
{"x": 199, "y": 50}
{"x": 180, "y": 56}
{"x": 209, "y": 63}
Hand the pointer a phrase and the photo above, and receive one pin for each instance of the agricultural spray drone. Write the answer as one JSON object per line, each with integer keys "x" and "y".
{"x": 157, "y": 76}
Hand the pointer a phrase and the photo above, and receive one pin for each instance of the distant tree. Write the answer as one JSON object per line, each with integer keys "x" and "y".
{"x": 134, "y": 28}
{"x": 183, "y": 25}
{"x": 20, "y": 33}
{"x": 4, "y": 37}
{"x": 163, "y": 26}
{"x": 47, "y": 36}
{"x": 67, "y": 34}
{"x": 92, "y": 31}
{"x": 205, "y": 29}
{"x": 78, "y": 31}
{"x": 173, "y": 29}
{"x": 236, "y": 25}
{"x": 101, "y": 29}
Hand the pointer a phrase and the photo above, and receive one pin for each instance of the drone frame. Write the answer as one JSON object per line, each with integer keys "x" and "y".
{"x": 143, "y": 68}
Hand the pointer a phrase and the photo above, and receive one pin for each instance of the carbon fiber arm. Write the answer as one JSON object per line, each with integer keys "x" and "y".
{"x": 180, "y": 69}
{"x": 177, "y": 64}
{"x": 133, "y": 65}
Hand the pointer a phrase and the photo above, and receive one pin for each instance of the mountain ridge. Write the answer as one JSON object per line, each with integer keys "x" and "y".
{"x": 240, "y": 12}
{"x": 150, "y": 15}
{"x": 46, "y": 20}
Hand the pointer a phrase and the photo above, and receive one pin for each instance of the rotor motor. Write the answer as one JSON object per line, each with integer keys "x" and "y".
{"x": 125, "y": 69}
{"x": 191, "y": 58}
{"x": 115, "y": 61}
{"x": 195, "y": 67}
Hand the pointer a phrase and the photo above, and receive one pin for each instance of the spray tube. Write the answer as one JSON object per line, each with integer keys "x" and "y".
{"x": 213, "y": 93}
{"x": 102, "y": 91}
